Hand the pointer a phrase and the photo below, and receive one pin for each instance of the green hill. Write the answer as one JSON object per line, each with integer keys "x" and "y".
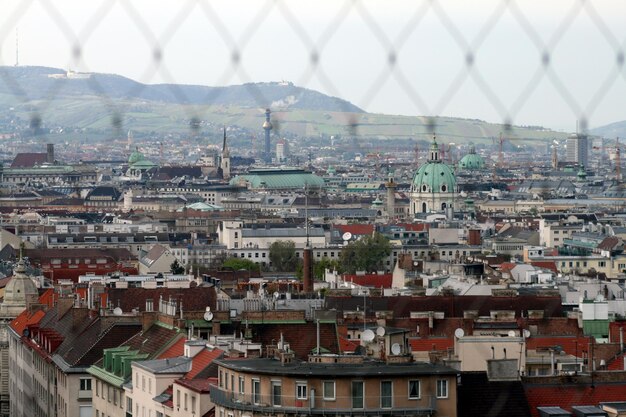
{"x": 101, "y": 101}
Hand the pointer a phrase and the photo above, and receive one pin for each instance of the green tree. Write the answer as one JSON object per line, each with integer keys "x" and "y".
{"x": 365, "y": 254}
{"x": 176, "y": 268}
{"x": 322, "y": 265}
{"x": 283, "y": 256}
{"x": 239, "y": 263}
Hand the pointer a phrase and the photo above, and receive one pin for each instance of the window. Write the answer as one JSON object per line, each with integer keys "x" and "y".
{"x": 232, "y": 382}
{"x": 357, "y": 394}
{"x": 442, "y": 388}
{"x": 256, "y": 391}
{"x": 301, "y": 390}
{"x": 276, "y": 393}
{"x": 226, "y": 381}
{"x": 414, "y": 389}
{"x": 129, "y": 405}
{"x": 85, "y": 384}
{"x": 386, "y": 394}
{"x": 329, "y": 390}
{"x": 241, "y": 385}
{"x": 221, "y": 379}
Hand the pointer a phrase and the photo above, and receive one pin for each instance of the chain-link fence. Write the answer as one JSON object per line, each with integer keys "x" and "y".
{"x": 509, "y": 62}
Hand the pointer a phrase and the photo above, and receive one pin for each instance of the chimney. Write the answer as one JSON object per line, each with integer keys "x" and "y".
{"x": 50, "y": 153}
{"x": 307, "y": 280}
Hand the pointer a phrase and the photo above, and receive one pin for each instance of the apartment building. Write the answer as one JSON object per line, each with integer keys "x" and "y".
{"x": 333, "y": 385}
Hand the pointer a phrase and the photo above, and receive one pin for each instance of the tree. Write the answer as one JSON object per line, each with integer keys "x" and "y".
{"x": 176, "y": 268}
{"x": 320, "y": 267}
{"x": 283, "y": 256}
{"x": 237, "y": 264}
{"x": 365, "y": 254}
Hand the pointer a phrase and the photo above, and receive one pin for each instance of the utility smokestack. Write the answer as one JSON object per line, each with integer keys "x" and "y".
{"x": 307, "y": 280}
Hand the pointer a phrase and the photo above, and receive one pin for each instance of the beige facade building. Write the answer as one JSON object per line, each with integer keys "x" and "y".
{"x": 333, "y": 385}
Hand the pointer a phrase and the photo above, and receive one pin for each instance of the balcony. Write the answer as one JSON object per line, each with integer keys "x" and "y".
{"x": 84, "y": 394}
{"x": 318, "y": 406}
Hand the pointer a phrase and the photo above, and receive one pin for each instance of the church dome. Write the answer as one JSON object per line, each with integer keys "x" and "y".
{"x": 135, "y": 157}
{"x": 434, "y": 176}
{"x": 472, "y": 161}
{"x": 20, "y": 288}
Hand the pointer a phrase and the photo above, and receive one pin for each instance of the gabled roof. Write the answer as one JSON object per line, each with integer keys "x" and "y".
{"x": 177, "y": 349}
{"x": 569, "y": 344}
{"x": 29, "y": 159}
{"x": 202, "y": 360}
{"x": 26, "y": 319}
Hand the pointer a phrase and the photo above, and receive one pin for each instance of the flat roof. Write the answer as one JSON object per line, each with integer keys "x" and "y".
{"x": 369, "y": 368}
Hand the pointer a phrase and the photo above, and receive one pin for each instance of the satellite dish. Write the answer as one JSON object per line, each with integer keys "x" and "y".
{"x": 459, "y": 333}
{"x": 511, "y": 333}
{"x": 396, "y": 349}
{"x": 526, "y": 333}
{"x": 117, "y": 311}
{"x": 380, "y": 331}
{"x": 347, "y": 236}
{"x": 367, "y": 335}
{"x": 208, "y": 316}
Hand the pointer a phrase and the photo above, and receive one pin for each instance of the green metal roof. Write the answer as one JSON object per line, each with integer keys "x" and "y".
{"x": 432, "y": 176}
{"x": 471, "y": 162}
{"x": 278, "y": 179}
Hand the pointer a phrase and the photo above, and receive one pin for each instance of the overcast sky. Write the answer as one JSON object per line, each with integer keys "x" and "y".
{"x": 353, "y": 41}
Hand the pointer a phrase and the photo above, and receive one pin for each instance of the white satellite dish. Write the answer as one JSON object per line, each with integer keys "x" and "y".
{"x": 511, "y": 333}
{"x": 459, "y": 333}
{"x": 526, "y": 333}
{"x": 367, "y": 335}
{"x": 346, "y": 236}
{"x": 208, "y": 316}
{"x": 380, "y": 331}
{"x": 117, "y": 311}
{"x": 396, "y": 349}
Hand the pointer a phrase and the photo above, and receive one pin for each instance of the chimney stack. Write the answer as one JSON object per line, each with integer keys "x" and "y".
{"x": 307, "y": 281}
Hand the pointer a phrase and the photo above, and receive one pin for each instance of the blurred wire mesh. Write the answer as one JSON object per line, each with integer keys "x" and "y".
{"x": 320, "y": 45}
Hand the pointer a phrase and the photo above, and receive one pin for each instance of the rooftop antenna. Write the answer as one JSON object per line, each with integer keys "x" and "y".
{"x": 17, "y": 48}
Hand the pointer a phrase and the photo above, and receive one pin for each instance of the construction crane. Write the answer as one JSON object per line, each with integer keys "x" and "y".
{"x": 618, "y": 161}
{"x": 500, "y": 152}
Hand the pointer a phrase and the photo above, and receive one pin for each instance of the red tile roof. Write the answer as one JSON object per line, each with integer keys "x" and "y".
{"x": 348, "y": 345}
{"x": 25, "y": 319}
{"x": 28, "y": 159}
{"x": 202, "y": 360}
{"x": 47, "y": 298}
{"x": 572, "y": 345}
{"x": 413, "y": 227}
{"x": 550, "y": 265}
{"x": 430, "y": 344}
{"x": 565, "y": 396}
{"x": 356, "y": 229}
{"x": 370, "y": 280}
{"x": 198, "y": 384}
{"x": 177, "y": 349}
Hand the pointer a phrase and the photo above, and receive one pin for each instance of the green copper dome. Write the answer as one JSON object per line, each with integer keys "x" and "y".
{"x": 434, "y": 176}
{"x": 472, "y": 161}
{"x": 135, "y": 157}
{"x": 582, "y": 174}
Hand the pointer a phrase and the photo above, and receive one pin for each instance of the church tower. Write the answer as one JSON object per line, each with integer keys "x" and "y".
{"x": 225, "y": 163}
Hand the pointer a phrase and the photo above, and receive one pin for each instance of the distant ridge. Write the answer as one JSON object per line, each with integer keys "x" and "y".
{"x": 38, "y": 82}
